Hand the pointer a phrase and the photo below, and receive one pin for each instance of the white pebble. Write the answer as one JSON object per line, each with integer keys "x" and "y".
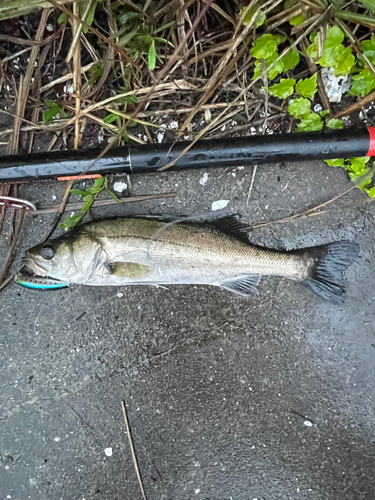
{"x": 173, "y": 124}
{"x": 68, "y": 88}
{"x": 120, "y": 295}
{"x": 108, "y": 452}
{"x": 120, "y": 186}
{"x": 53, "y": 197}
{"x": 308, "y": 423}
{"x": 49, "y": 27}
{"x": 219, "y": 204}
{"x": 318, "y": 108}
{"x": 57, "y": 439}
{"x": 160, "y": 137}
{"x": 203, "y": 179}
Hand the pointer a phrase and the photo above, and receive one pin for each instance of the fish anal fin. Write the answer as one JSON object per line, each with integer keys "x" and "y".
{"x": 243, "y": 285}
{"x": 131, "y": 270}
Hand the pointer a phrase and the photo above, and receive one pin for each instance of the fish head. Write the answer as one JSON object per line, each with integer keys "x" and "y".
{"x": 70, "y": 258}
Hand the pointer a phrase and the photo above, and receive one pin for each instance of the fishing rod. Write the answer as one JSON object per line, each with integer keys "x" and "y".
{"x": 210, "y": 153}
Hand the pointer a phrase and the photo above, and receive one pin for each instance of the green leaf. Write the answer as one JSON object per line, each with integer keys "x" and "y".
{"x": 344, "y": 60}
{"x": 90, "y": 16}
{"x": 283, "y": 89}
{"x": 62, "y": 113}
{"x": 307, "y": 87}
{"x": 312, "y": 123}
{"x": 128, "y": 98}
{"x": 165, "y": 26}
{"x": 369, "y": 45}
{"x": 358, "y": 164}
{"x": 299, "y": 108}
{"x": 370, "y": 54}
{"x": 265, "y": 47}
{"x": 260, "y": 16}
{"x": 363, "y": 83}
{"x": 334, "y": 123}
{"x": 291, "y": 59}
{"x": 87, "y": 205}
{"x": 112, "y": 195}
{"x": 152, "y": 56}
{"x": 325, "y": 112}
{"x": 279, "y": 39}
{"x": 371, "y": 192}
{"x": 313, "y": 50}
{"x": 79, "y": 192}
{"x": 110, "y": 118}
{"x": 339, "y": 162}
{"x": 50, "y": 103}
{"x": 88, "y": 197}
{"x": 99, "y": 183}
{"x": 71, "y": 222}
{"x": 297, "y": 20}
{"x": 335, "y": 36}
{"x": 355, "y": 176}
{"x": 333, "y": 40}
{"x": 48, "y": 116}
{"x": 62, "y": 18}
{"x": 370, "y": 4}
{"x": 271, "y": 73}
{"x": 124, "y": 17}
{"x": 96, "y": 71}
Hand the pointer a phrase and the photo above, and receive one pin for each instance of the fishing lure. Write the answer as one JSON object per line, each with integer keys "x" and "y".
{"x": 39, "y": 283}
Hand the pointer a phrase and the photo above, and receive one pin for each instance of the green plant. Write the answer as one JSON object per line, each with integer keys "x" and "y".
{"x": 139, "y": 37}
{"x": 89, "y": 196}
{"x": 96, "y": 71}
{"x": 336, "y": 54}
{"x": 356, "y": 168}
{"x": 52, "y": 112}
{"x": 256, "y": 10}
{"x": 266, "y": 49}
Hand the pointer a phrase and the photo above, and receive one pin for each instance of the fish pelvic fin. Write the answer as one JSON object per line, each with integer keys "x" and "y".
{"x": 243, "y": 285}
{"x": 327, "y": 272}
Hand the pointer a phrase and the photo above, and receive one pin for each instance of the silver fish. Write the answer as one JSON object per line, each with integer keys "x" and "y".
{"x": 135, "y": 251}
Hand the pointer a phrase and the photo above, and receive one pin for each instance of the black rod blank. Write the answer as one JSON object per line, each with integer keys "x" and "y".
{"x": 211, "y": 153}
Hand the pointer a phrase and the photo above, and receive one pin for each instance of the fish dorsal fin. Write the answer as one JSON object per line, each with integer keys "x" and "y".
{"x": 131, "y": 270}
{"x": 161, "y": 217}
{"x": 244, "y": 285}
{"x": 232, "y": 226}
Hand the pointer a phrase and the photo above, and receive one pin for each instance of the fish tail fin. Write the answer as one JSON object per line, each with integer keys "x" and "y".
{"x": 327, "y": 272}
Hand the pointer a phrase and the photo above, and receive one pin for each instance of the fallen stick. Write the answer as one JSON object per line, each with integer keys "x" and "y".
{"x": 51, "y": 209}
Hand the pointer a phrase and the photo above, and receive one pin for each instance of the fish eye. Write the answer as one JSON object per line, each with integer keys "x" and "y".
{"x": 47, "y": 252}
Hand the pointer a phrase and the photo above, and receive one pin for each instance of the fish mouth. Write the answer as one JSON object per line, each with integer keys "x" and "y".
{"x": 34, "y": 270}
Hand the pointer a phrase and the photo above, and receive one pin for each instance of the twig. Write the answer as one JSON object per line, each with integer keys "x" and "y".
{"x": 356, "y": 105}
{"x": 77, "y": 29}
{"x": 251, "y": 184}
{"x": 60, "y": 209}
{"x": 76, "y": 71}
{"x": 132, "y": 450}
{"x": 305, "y": 214}
{"x": 13, "y": 245}
{"x": 65, "y": 78}
{"x": 51, "y": 209}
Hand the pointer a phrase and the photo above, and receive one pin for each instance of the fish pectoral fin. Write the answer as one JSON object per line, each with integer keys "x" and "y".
{"x": 244, "y": 285}
{"x": 130, "y": 270}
